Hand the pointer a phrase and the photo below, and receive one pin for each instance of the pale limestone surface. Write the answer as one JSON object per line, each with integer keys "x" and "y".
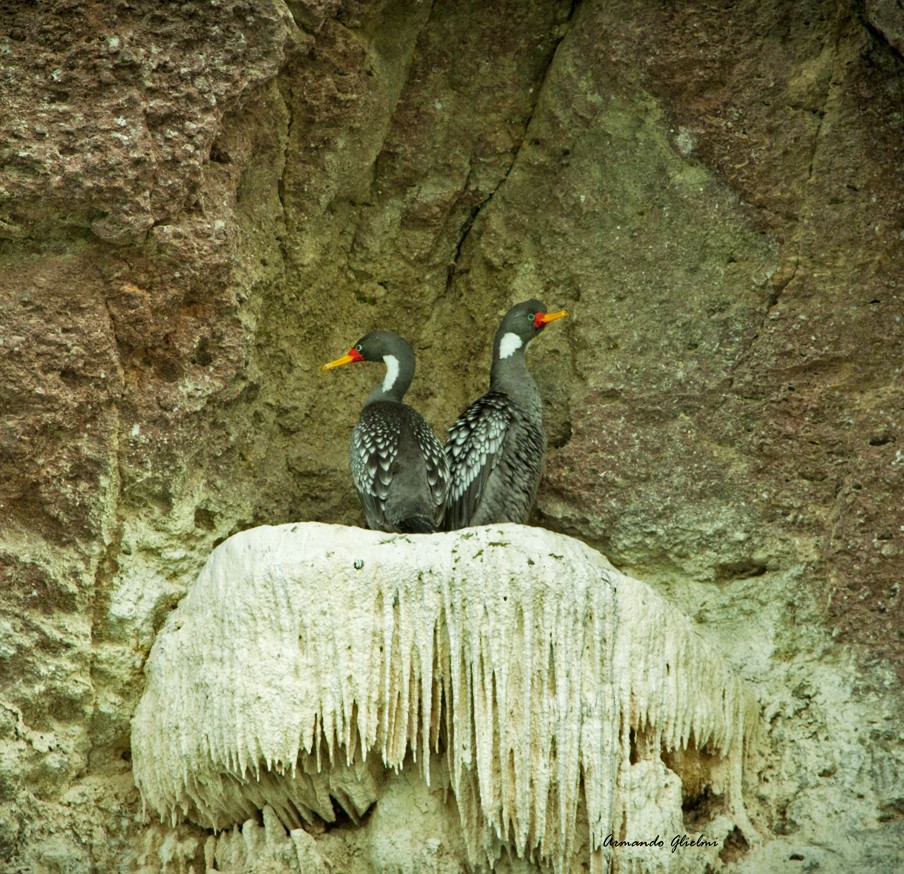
{"x": 308, "y": 660}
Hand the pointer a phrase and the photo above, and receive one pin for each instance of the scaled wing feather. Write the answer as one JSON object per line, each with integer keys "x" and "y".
{"x": 373, "y": 451}
{"x": 473, "y": 448}
{"x": 437, "y": 465}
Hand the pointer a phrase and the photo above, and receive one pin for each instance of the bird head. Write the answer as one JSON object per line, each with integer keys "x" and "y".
{"x": 387, "y": 347}
{"x": 522, "y": 323}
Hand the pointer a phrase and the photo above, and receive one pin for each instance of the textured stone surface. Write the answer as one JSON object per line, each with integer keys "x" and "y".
{"x": 792, "y": 426}
{"x": 111, "y": 109}
{"x": 200, "y": 206}
{"x": 887, "y": 17}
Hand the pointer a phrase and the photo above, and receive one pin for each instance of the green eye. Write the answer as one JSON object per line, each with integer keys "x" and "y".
{"x": 532, "y": 316}
{"x": 358, "y": 348}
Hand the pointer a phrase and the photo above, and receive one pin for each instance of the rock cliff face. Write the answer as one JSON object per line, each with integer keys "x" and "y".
{"x": 201, "y": 204}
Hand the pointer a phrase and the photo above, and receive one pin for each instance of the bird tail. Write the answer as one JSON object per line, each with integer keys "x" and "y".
{"x": 417, "y": 525}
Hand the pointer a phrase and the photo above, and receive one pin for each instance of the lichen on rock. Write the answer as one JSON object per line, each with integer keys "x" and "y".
{"x": 567, "y": 702}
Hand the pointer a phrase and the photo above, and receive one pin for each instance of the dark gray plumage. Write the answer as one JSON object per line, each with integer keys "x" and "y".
{"x": 397, "y": 462}
{"x": 496, "y": 447}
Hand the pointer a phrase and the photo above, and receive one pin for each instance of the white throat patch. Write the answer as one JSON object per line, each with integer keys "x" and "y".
{"x": 509, "y": 345}
{"x": 392, "y": 371}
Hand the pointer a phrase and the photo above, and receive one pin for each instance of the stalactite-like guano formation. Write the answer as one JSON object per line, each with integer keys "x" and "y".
{"x": 307, "y": 659}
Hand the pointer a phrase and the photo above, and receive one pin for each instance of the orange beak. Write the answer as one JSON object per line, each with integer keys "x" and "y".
{"x": 351, "y": 357}
{"x": 543, "y": 319}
